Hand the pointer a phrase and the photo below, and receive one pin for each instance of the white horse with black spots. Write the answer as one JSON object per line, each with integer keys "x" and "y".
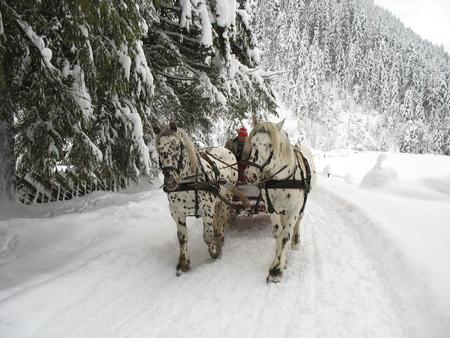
{"x": 193, "y": 181}
{"x": 284, "y": 174}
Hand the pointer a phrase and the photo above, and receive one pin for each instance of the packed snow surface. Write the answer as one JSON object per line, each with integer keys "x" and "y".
{"x": 408, "y": 196}
{"x": 104, "y": 265}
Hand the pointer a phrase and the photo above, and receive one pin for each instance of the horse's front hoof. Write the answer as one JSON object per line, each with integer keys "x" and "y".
{"x": 215, "y": 251}
{"x": 183, "y": 267}
{"x": 273, "y": 279}
{"x": 181, "y": 271}
{"x": 274, "y": 276}
{"x": 295, "y": 246}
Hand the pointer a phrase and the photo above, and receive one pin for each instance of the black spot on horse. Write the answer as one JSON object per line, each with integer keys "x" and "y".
{"x": 256, "y": 155}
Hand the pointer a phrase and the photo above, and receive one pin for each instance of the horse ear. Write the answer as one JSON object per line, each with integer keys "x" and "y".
{"x": 156, "y": 130}
{"x": 173, "y": 126}
{"x": 280, "y": 124}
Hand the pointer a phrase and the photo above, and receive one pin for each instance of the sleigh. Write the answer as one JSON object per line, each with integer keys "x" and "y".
{"x": 255, "y": 202}
{"x": 249, "y": 200}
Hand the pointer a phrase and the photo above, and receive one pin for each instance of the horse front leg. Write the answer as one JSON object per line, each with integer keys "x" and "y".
{"x": 282, "y": 242}
{"x": 184, "y": 263}
{"x": 214, "y": 248}
{"x": 219, "y": 223}
{"x": 275, "y": 219}
{"x": 295, "y": 245}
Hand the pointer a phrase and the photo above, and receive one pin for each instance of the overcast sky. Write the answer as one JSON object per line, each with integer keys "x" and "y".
{"x": 428, "y": 18}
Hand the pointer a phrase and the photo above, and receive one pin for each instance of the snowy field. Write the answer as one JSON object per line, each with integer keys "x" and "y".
{"x": 374, "y": 262}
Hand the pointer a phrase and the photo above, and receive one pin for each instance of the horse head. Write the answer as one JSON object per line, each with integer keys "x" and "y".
{"x": 169, "y": 145}
{"x": 264, "y": 150}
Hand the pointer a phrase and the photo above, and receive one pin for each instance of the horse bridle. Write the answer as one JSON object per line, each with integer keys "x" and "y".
{"x": 261, "y": 167}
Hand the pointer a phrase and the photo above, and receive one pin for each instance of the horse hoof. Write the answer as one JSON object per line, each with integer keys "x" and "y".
{"x": 273, "y": 279}
{"x": 181, "y": 271}
{"x": 183, "y": 267}
{"x": 274, "y": 276}
{"x": 215, "y": 251}
{"x": 295, "y": 246}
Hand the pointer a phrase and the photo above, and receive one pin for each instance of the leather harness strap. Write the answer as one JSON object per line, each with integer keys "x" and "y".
{"x": 208, "y": 185}
{"x": 290, "y": 182}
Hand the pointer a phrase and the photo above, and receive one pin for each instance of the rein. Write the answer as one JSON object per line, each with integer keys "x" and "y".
{"x": 226, "y": 165}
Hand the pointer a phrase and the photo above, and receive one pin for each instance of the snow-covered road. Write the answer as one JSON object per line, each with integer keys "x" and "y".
{"x": 105, "y": 267}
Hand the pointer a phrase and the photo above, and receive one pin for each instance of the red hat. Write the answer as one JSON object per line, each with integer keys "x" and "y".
{"x": 242, "y": 132}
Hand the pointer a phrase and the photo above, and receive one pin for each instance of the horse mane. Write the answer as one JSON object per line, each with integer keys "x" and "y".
{"x": 189, "y": 145}
{"x": 280, "y": 142}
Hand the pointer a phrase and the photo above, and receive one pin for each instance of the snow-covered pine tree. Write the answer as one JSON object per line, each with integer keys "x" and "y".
{"x": 7, "y": 157}
{"x": 375, "y": 60}
{"x": 84, "y": 81}
{"x": 78, "y": 85}
{"x": 205, "y": 54}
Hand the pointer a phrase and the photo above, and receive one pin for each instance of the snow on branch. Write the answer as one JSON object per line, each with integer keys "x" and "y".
{"x": 95, "y": 151}
{"x": 226, "y": 13}
{"x": 142, "y": 71}
{"x": 38, "y": 43}
{"x": 79, "y": 90}
{"x": 186, "y": 13}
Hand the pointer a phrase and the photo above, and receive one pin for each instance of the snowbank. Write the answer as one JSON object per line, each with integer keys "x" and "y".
{"x": 378, "y": 176}
{"x": 411, "y": 205}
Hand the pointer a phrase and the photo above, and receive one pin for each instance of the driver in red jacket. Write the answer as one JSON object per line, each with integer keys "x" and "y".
{"x": 236, "y": 146}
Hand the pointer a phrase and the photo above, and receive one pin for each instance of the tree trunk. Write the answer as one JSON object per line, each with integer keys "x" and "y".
{"x": 7, "y": 158}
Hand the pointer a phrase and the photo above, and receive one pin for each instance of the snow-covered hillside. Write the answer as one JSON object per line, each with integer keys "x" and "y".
{"x": 355, "y": 75}
{"x": 373, "y": 262}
